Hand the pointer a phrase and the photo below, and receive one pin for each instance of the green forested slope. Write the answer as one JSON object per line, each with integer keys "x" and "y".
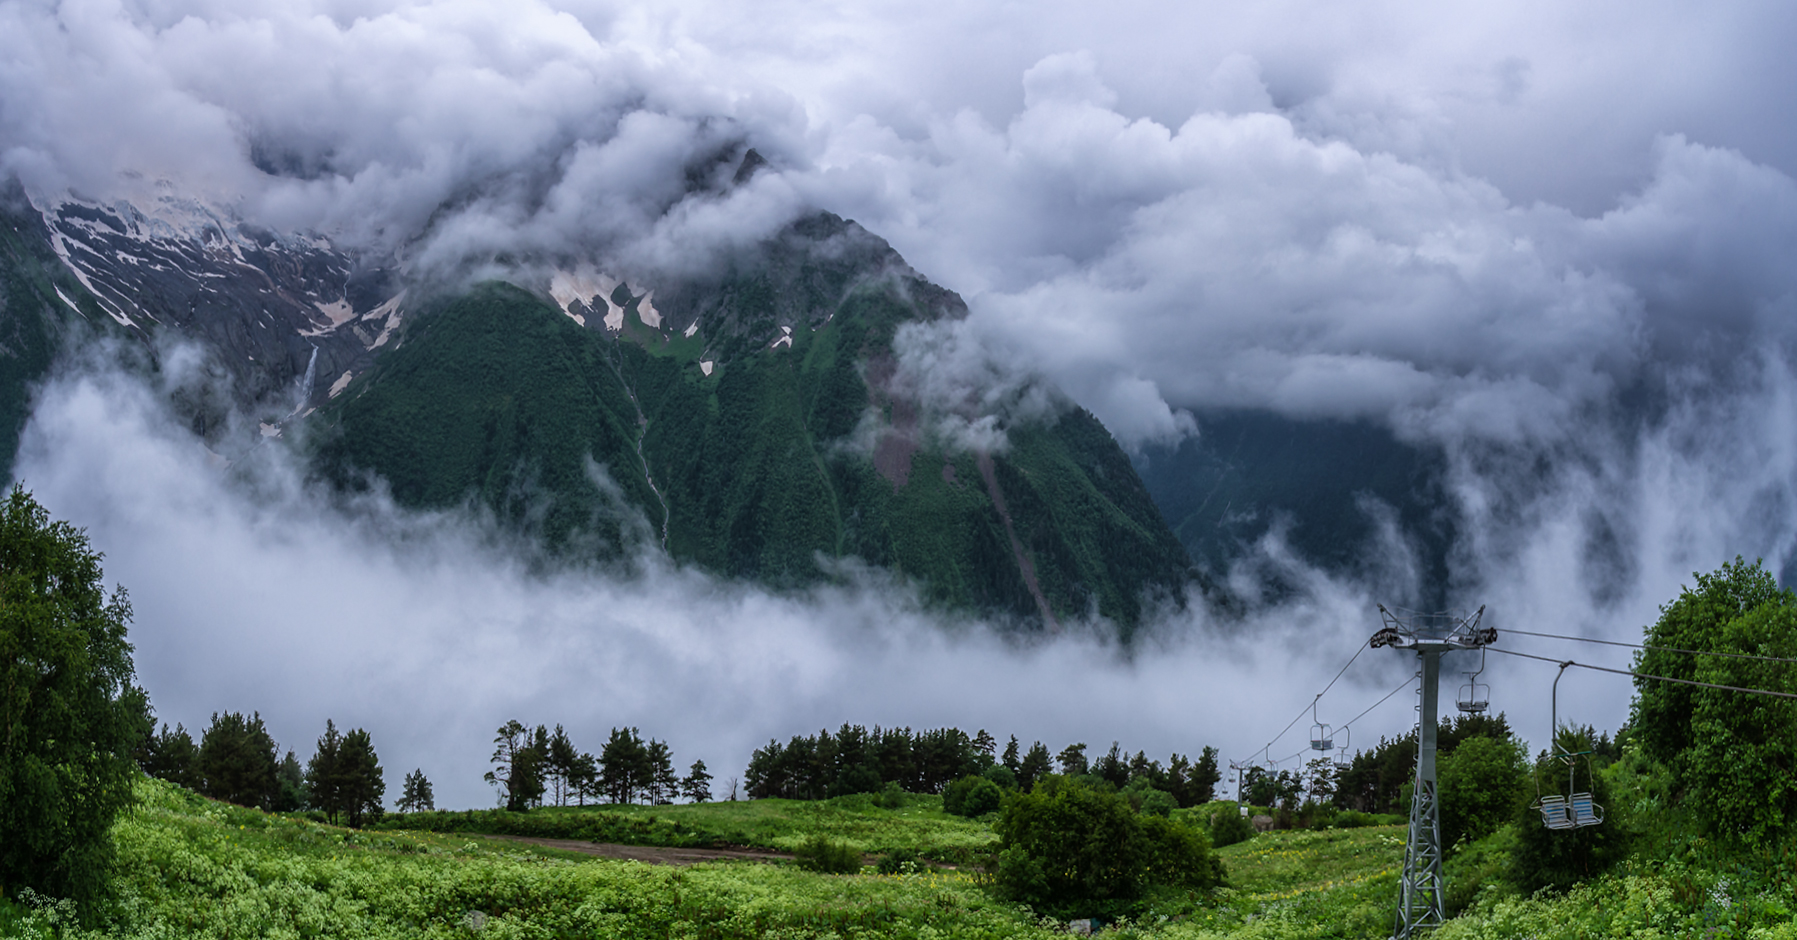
{"x": 497, "y": 396}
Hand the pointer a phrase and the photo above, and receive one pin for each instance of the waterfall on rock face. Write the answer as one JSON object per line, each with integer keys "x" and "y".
{"x": 305, "y": 382}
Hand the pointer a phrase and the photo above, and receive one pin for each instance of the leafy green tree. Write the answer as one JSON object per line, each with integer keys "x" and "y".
{"x": 416, "y": 796}
{"x": 1732, "y": 756}
{"x": 696, "y": 786}
{"x": 69, "y": 713}
{"x": 1066, "y": 844}
{"x": 1229, "y": 827}
{"x": 171, "y": 755}
{"x": 1001, "y": 775}
{"x": 362, "y": 785}
{"x": 237, "y": 761}
{"x": 1480, "y": 783}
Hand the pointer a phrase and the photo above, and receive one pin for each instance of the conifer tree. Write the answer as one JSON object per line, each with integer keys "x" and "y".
{"x": 559, "y": 766}
{"x": 664, "y": 784}
{"x": 1011, "y": 759}
{"x": 291, "y": 781}
{"x": 361, "y": 785}
{"x": 171, "y": 756}
{"x": 323, "y": 777}
{"x": 237, "y": 762}
{"x": 515, "y": 767}
{"x": 1073, "y": 760}
{"x": 1035, "y": 765}
{"x": 624, "y": 765}
{"x": 416, "y": 797}
{"x": 696, "y": 787}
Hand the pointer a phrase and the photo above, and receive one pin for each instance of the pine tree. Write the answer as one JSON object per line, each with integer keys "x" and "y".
{"x": 417, "y": 794}
{"x": 323, "y": 778}
{"x": 697, "y": 785}
{"x": 1202, "y": 783}
{"x": 559, "y": 766}
{"x": 624, "y": 765}
{"x": 664, "y": 784}
{"x": 584, "y": 779}
{"x": 291, "y": 780}
{"x": 1011, "y": 759}
{"x": 1073, "y": 760}
{"x": 361, "y": 785}
{"x": 1035, "y": 765}
{"x": 237, "y": 762}
{"x": 171, "y": 756}
{"x": 515, "y": 767}
{"x": 985, "y": 744}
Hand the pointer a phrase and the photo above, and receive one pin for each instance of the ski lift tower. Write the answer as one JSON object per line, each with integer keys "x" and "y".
{"x": 1420, "y": 887}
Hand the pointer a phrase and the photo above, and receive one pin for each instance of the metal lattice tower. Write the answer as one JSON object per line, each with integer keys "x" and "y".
{"x": 1420, "y": 887}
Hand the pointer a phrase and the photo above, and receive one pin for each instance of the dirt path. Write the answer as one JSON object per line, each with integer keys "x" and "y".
{"x": 653, "y": 854}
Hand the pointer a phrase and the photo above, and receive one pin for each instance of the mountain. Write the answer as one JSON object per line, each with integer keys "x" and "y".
{"x": 1331, "y": 489}
{"x": 751, "y": 421}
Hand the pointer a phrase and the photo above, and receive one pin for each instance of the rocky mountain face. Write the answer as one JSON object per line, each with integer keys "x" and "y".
{"x": 748, "y": 421}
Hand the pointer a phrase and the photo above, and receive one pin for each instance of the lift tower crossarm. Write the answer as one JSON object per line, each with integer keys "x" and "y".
{"x": 1420, "y": 887}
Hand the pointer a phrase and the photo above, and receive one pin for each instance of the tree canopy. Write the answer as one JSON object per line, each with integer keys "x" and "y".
{"x": 70, "y": 713}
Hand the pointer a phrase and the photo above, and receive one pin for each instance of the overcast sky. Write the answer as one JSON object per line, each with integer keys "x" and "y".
{"x": 1553, "y": 240}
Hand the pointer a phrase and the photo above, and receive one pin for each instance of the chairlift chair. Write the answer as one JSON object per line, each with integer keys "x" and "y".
{"x": 1475, "y": 696}
{"x": 1581, "y": 808}
{"x": 1341, "y": 752}
{"x": 1320, "y": 738}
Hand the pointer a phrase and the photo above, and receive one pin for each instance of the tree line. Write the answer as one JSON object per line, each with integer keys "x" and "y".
{"x": 530, "y": 767}
{"x": 237, "y": 761}
{"x": 858, "y": 760}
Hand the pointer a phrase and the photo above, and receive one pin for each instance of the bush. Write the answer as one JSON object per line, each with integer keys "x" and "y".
{"x": 1229, "y": 827}
{"x": 1066, "y": 844}
{"x": 1001, "y": 775}
{"x": 1559, "y": 859}
{"x": 971, "y": 796}
{"x": 890, "y": 797}
{"x": 1154, "y": 803}
{"x": 821, "y": 855}
{"x": 898, "y": 862}
{"x": 1481, "y": 782}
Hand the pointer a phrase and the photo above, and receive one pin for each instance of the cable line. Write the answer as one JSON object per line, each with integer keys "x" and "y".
{"x": 1401, "y": 686}
{"x": 1641, "y": 646}
{"x": 1643, "y": 675}
{"x": 1313, "y": 701}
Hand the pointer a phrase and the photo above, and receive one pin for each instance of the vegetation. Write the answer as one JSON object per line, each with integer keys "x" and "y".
{"x": 1067, "y": 846}
{"x": 70, "y": 716}
{"x": 602, "y": 445}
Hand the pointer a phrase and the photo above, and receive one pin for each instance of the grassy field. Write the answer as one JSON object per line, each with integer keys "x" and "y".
{"x": 190, "y": 867}
{"x": 919, "y": 826}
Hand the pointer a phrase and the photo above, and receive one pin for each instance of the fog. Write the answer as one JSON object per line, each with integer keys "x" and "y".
{"x": 1552, "y": 244}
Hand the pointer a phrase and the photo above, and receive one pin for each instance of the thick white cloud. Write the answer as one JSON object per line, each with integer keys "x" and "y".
{"x": 1553, "y": 239}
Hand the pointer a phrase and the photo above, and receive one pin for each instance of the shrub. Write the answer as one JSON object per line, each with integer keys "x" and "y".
{"x": 971, "y": 796}
{"x": 1229, "y": 827}
{"x": 1481, "y": 782}
{"x": 821, "y": 855}
{"x": 1154, "y": 803}
{"x": 1001, "y": 775}
{"x": 890, "y": 797}
{"x": 897, "y": 862}
{"x": 1067, "y": 843}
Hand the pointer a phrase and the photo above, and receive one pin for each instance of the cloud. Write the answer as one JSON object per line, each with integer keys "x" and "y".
{"x": 1551, "y": 241}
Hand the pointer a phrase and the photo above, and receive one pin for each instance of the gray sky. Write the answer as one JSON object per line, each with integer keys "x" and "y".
{"x": 1553, "y": 240}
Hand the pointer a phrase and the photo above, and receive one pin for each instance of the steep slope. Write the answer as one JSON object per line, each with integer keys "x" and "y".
{"x": 43, "y": 308}
{"x": 747, "y": 424}
{"x": 1328, "y": 486}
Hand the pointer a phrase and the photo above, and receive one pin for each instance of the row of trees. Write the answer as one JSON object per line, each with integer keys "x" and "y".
{"x": 857, "y": 760}
{"x": 237, "y": 761}
{"x": 531, "y": 766}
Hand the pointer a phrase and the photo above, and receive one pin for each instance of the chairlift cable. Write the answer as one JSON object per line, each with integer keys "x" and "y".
{"x": 1641, "y": 646}
{"x": 1643, "y": 675}
{"x": 1312, "y": 706}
